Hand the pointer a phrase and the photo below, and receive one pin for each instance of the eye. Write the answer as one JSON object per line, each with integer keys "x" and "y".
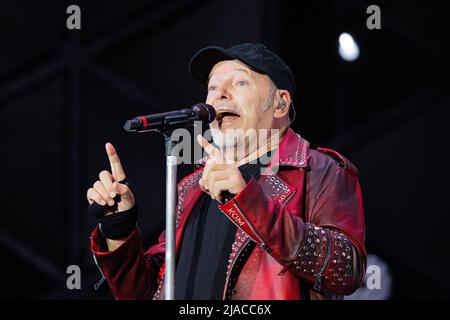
{"x": 212, "y": 88}
{"x": 242, "y": 83}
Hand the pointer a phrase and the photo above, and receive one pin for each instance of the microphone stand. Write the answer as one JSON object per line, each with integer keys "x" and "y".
{"x": 171, "y": 189}
{"x": 165, "y": 123}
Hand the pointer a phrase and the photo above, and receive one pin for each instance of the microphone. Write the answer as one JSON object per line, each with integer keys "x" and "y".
{"x": 161, "y": 122}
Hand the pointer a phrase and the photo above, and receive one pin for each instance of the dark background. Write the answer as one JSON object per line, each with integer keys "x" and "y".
{"x": 64, "y": 93}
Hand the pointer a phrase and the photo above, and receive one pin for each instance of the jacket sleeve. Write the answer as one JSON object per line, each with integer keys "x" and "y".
{"x": 328, "y": 251}
{"x": 129, "y": 272}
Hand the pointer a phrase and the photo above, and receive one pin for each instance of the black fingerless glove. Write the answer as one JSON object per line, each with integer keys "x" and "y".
{"x": 118, "y": 225}
{"x": 115, "y": 226}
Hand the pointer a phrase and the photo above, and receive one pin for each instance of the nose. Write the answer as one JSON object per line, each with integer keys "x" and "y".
{"x": 222, "y": 94}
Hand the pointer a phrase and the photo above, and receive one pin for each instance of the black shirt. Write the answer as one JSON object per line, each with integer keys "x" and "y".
{"x": 202, "y": 262}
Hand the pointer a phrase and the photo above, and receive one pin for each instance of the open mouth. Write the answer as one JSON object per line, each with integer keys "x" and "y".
{"x": 226, "y": 116}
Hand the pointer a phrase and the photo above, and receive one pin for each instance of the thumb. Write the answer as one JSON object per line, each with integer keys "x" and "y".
{"x": 121, "y": 189}
{"x": 126, "y": 196}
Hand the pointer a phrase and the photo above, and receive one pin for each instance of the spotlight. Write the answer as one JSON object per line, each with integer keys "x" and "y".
{"x": 348, "y": 49}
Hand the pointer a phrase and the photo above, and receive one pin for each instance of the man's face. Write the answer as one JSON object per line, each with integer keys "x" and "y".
{"x": 242, "y": 98}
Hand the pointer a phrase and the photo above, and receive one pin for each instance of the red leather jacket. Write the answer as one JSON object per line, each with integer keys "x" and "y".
{"x": 300, "y": 235}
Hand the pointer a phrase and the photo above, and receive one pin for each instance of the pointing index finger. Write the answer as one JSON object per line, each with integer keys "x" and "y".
{"x": 116, "y": 166}
{"x": 211, "y": 150}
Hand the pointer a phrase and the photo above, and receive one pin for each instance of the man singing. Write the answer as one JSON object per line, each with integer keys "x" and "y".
{"x": 290, "y": 228}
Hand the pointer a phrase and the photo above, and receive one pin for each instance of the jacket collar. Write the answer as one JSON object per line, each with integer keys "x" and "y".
{"x": 292, "y": 151}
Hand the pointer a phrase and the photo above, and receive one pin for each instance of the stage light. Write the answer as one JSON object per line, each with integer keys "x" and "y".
{"x": 348, "y": 48}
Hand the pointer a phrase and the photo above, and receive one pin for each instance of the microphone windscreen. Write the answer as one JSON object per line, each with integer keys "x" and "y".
{"x": 205, "y": 112}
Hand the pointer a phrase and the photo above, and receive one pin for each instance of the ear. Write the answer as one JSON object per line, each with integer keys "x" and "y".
{"x": 282, "y": 104}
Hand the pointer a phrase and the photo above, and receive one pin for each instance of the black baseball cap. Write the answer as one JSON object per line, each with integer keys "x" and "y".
{"x": 256, "y": 56}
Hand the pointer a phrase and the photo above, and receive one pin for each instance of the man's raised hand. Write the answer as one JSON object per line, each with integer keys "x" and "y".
{"x": 108, "y": 186}
{"x": 218, "y": 174}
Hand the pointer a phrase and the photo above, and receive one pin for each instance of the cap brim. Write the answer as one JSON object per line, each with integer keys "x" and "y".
{"x": 204, "y": 60}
